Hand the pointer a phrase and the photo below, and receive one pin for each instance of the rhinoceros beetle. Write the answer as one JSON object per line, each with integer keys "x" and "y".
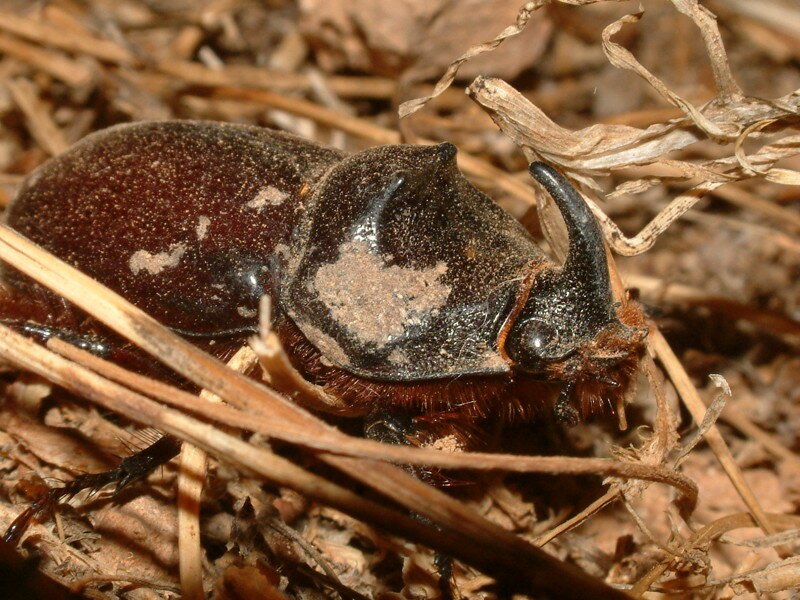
{"x": 398, "y": 286}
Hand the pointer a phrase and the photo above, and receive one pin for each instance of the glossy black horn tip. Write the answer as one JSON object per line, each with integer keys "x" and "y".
{"x": 553, "y": 181}
{"x": 540, "y": 170}
{"x": 576, "y": 213}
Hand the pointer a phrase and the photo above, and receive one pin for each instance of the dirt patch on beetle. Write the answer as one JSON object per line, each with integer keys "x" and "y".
{"x": 201, "y": 230}
{"x": 142, "y": 260}
{"x": 267, "y": 196}
{"x": 375, "y": 302}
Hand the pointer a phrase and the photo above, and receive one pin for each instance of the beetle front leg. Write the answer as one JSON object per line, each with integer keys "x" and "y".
{"x": 564, "y": 411}
{"x": 43, "y": 333}
{"x": 400, "y": 429}
{"x": 403, "y": 429}
{"x": 452, "y": 431}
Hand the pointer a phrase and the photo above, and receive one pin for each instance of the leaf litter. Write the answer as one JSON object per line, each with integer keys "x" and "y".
{"x": 702, "y": 171}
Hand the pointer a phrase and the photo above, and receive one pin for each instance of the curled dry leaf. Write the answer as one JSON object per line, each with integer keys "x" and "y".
{"x": 710, "y": 418}
{"x": 602, "y": 148}
{"x": 775, "y": 577}
{"x": 729, "y": 119}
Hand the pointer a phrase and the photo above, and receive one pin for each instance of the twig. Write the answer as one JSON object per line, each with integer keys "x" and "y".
{"x": 59, "y": 37}
{"x": 41, "y": 126}
{"x": 713, "y": 437}
{"x": 262, "y": 419}
{"x": 191, "y": 475}
{"x": 48, "y": 61}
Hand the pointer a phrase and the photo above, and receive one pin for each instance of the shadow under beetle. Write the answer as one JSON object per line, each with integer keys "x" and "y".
{"x": 398, "y": 286}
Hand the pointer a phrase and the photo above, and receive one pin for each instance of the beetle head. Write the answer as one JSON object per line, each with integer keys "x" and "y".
{"x": 569, "y": 328}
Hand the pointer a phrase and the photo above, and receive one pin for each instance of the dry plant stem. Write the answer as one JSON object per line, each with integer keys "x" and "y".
{"x": 283, "y": 377}
{"x": 56, "y": 64}
{"x": 666, "y": 436}
{"x": 275, "y": 81}
{"x": 595, "y": 507}
{"x": 261, "y": 420}
{"x": 364, "y": 129}
{"x": 40, "y": 124}
{"x": 464, "y": 533}
{"x": 80, "y": 585}
{"x": 713, "y": 437}
{"x": 749, "y": 562}
{"x": 499, "y": 553}
{"x": 191, "y": 475}
{"x": 707, "y": 534}
{"x": 278, "y": 525}
{"x": 60, "y": 37}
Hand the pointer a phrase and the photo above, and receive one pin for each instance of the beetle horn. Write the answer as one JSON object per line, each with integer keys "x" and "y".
{"x": 586, "y": 257}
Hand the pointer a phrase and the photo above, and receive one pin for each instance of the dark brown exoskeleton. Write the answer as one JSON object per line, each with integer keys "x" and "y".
{"x": 398, "y": 287}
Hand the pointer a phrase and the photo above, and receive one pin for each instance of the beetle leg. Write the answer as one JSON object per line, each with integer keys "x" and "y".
{"x": 131, "y": 469}
{"x": 563, "y": 410}
{"x": 389, "y": 428}
{"x": 43, "y": 333}
{"x": 447, "y": 582}
{"x": 403, "y": 429}
{"x": 397, "y": 428}
{"x": 105, "y": 346}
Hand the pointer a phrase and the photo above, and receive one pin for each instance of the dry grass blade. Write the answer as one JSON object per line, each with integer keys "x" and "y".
{"x": 713, "y": 436}
{"x": 63, "y": 38}
{"x": 191, "y": 477}
{"x": 276, "y": 81}
{"x": 56, "y": 64}
{"x": 40, "y": 122}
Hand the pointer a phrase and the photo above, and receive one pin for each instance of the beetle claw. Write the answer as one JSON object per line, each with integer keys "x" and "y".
{"x": 563, "y": 410}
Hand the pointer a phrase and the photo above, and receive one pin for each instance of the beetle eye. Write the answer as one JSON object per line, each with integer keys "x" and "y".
{"x": 535, "y": 345}
{"x": 538, "y": 336}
